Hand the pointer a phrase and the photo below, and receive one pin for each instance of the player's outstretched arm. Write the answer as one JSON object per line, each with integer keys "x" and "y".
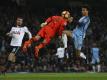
{"x": 47, "y": 21}
{"x": 43, "y": 24}
{"x": 9, "y": 34}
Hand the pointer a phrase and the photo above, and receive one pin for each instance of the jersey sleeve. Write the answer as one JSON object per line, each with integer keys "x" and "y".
{"x": 11, "y": 30}
{"x": 10, "y": 33}
{"x": 49, "y": 20}
{"x": 84, "y": 20}
{"x": 28, "y": 32}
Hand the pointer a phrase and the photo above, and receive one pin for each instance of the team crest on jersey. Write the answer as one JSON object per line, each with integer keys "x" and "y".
{"x": 16, "y": 32}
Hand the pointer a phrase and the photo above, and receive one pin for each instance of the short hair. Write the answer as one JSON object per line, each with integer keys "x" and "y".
{"x": 19, "y": 17}
{"x": 85, "y": 6}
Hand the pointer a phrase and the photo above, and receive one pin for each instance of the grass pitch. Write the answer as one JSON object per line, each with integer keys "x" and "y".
{"x": 54, "y": 76}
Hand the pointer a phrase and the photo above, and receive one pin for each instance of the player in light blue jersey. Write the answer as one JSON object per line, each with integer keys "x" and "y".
{"x": 95, "y": 58}
{"x": 78, "y": 34}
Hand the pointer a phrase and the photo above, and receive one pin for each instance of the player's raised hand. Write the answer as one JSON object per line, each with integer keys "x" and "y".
{"x": 43, "y": 24}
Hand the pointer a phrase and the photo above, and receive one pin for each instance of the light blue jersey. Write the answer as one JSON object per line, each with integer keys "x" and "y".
{"x": 95, "y": 55}
{"x": 80, "y": 31}
{"x": 81, "y": 28}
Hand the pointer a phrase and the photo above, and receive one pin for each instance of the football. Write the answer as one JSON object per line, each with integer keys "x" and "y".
{"x": 65, "y": 14}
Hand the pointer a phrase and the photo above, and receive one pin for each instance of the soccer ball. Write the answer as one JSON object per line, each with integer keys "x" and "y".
{"x": 65, "y": 14}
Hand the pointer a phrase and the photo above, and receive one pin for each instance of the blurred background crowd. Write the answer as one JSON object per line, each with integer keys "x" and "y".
{"x": 34, "y": 13}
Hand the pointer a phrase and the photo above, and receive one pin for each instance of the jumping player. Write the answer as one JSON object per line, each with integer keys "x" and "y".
{"x": 53, "y": 25}
{"x": 78, "y": 34}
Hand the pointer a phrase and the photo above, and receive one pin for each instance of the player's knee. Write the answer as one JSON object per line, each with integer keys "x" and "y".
{"x": 68, "y": 33}
{"x": 46, "y": 42}
{"x": 37, "y": 37}
{"x": 11, "y": 57}
{"x": 65, "y": 32}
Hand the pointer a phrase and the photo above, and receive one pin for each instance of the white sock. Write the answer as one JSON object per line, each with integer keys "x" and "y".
{"x": 64, "y": 40}
{"x": 82, "y": 55}
{"x": 93, "y": 68}
{"x": 98, "y": 68}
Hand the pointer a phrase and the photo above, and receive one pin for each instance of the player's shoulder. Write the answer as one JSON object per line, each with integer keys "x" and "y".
{"x": 56, "y": 16}
{"x": 13, "y": 27}
{"x": 86, "y": 17}
{"x": 24, "y": 27}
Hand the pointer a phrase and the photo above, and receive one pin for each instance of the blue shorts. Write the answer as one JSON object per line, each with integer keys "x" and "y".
{"x": 95, "y": 60}
{"x": 78, "y": 41}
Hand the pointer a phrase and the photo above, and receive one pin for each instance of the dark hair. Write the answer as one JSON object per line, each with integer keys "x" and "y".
{"x": 19, "y": 17}
{"x": 61, "y": 44}
{"x": 85, "y": 6}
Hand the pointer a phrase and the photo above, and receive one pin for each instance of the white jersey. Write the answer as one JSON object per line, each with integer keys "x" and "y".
{"x": 60, "y": 52}
{"x": 17, "y": 34}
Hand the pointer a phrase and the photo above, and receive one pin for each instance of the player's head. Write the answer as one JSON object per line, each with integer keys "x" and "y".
{"x": 61, "y": 44}
{"x": 70, "y": 19}
{"x": 65, "y": 14}
{"x": 94, "y": 44}
{"x": 85, "y": 10}
{"x": 19, "y": 21}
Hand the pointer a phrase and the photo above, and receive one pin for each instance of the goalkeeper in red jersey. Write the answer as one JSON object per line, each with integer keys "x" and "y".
{"x": 53, "y": 25}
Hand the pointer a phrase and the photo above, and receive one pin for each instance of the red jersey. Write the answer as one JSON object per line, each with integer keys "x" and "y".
{"x": 57, "y": 24}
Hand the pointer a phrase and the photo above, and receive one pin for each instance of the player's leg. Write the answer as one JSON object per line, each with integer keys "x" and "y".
{"x": 66, "y": 34}
{"x": 98, "y": 65}
{"x": 11, "y": 57}
{"x": 64, "y": 40}
{"x": 78, "y": 41}
{"x": 47, "y": 34}
{"x": 75, "y": 40}
{"x": 78, "y": 45}
{"x": 82, "y": 55}
{"x": 34, "y": 39}
{"x": 41, "y": 45}
{"x": 29, "y": 42}
{"x": 93, "y": 64}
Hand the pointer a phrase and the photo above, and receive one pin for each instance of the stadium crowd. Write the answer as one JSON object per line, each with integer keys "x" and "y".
{"x": 48, "y": 61}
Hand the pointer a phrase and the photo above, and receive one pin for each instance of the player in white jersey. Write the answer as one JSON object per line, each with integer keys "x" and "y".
{"x": 60, "y": 54}
{"x": 17, "y": 33}
{"x": 78, "y": 34}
